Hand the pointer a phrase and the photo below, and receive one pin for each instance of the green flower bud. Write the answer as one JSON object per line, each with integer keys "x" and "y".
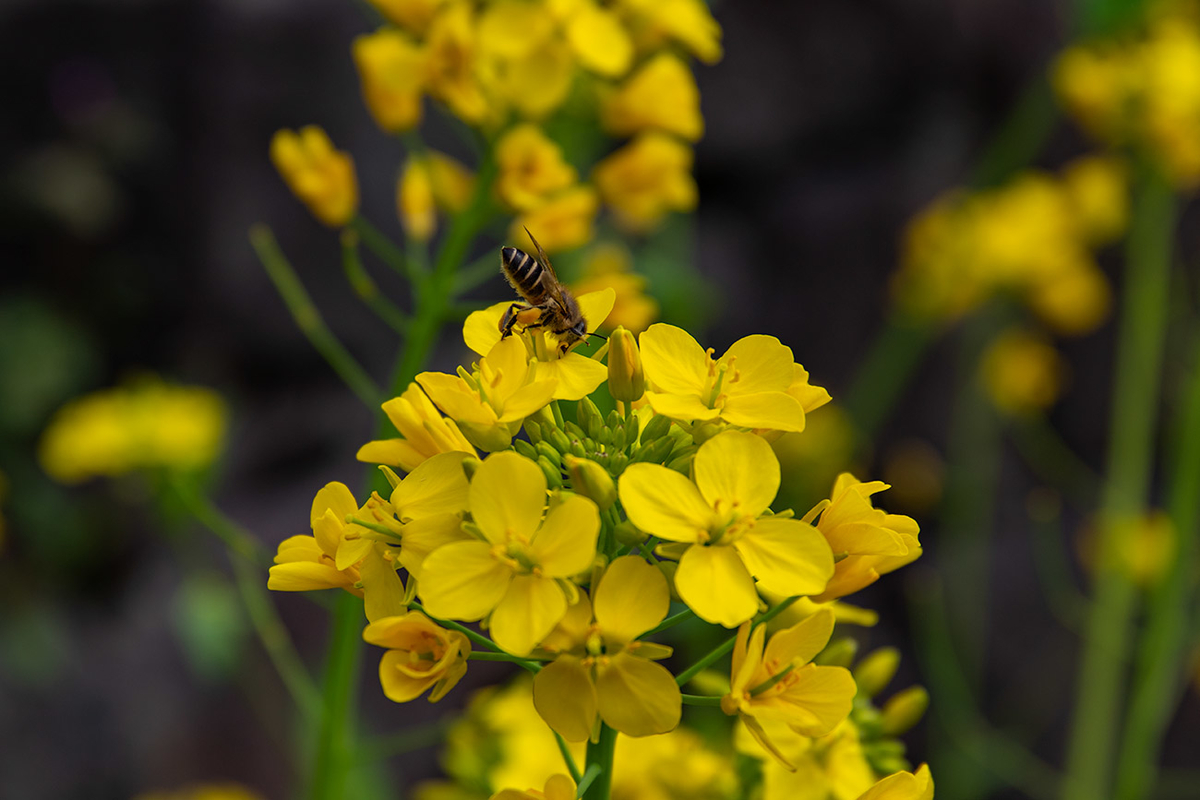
{"x": 605, "y": 436}
{"x": 904, "y": 710}
{"x": 875, "y": 671}
{"x": 592, "y": 481}
{"x": 619, "y": 439}
{"x": 657, "y": 427}
{"x": 617, "y": 463}
{"x": 682, "y": 465}
{"x": 626, "y": 380}
{"x": 590, "y": 418}
{"x": 886, "y": 756}
{"x": 552, "y": 455}
{"x": 614, "y": 420}
{"x": 629, "y": 534}
{"x": 533, "y": 431}
{"x": 839, "y": 653}
{"x": 552, "y": 473}
{"x": 558, "y": 440}
{"x": 577, "y": 449}
{"x": 526, "y": 449}
{"x": 574, "y": 431}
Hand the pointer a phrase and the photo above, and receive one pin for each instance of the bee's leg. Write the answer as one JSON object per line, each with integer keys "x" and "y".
{"x": 510, "y": 319}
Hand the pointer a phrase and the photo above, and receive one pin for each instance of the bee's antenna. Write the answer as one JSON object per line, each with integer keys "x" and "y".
{"x": 599, "y": 336}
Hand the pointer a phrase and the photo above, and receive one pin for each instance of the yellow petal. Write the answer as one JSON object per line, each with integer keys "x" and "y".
{"x": 573, "y": 629}
{"x": 636, "y": 696}
{"x": 576, "y": 375}
{"x": 777, "y": 411}
{"x": 437, "y": 486}
{"x": 527, "y": 613}
{"x": 529, "y": 399}
{"x": 631, "y": 599}
{"x": 336, "y": 497}
{"x": 673, "y": 360}
{"x": 600, "y": 41}
{"x": 481, "y": 331}
{"x": 685, "y": 408}
{"x": 763, "y": 364}
{"x": 383, "y": 591}
{"x": 787, "y": 556}
{"x": 398, "y": 686}
{"x": 299, "y": 548}
{"x": 328, "y": 530}
{"x": 662, "y": 502}
{"x": 352, "y": 551}
{"x": 565, "y": 698}
{"x": 737, "y": 470}
{"x": 394, "y": 452}
{"x": 801, "y": 642}
{"x": 715, "y": 584}
{"x": 818, "y": 699}
{"x": 304, "y": 576}
{"x": 507, "y": 496}
{"x": 566, "y": 543}
{"x": 422, "y": 536}
{"x": 462, "y": 581}
{"x": 596, "y": 306}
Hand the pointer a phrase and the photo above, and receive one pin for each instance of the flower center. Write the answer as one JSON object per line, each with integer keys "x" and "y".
{"x": 719, "y": 372}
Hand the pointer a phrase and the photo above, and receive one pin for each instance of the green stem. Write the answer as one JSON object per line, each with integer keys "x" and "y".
{"x": 568, "y": 759}
{"x": 592, "y": 773}
{"x": 366, "y": 288}
{"x": 700, "y": 700}
{"x": 308, "y": 318}
{"x": 416, "y": 737}
{"x": 1052, "y": 460}
{"x": 1162, "y": 656}
{"x": 532, "y": 666}
{"x": 477, "y": 273}
{"x": 600, "y": 755}
{"x": 727, "y": 646}
{"x": 671, "y": 621}
{"x": 335, "y": 737}
{"x": 884, "y": 373}
{"x": 1021, "y": 137}
{"x": 477, "y": 638}
{"x": 385, "y": 249}
{"x": 1135, "y": 404}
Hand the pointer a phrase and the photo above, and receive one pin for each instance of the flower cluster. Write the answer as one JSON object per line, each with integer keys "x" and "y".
{"x": 1032, "y": 237}
{"x": 145, "y": 424}
{"x": 567, "y": 536}
{"x": 1140, "y": 90}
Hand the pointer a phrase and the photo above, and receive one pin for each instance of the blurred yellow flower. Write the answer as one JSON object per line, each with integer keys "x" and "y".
{"x": 662, "y": 95}
{"x": 1145, "y": 546}
{"x": 599, "y": 40}
{"x": 427, "y": 183}
{"x": 421, "y": 655}
{"x": 145, "y": 424}
{"x": 530, "y": 167}
{"x": 529, "y": 62}
{"x": 688, "y": 22}
{"x": 424, "y": 432}
{"x": 903, "y": 786}
{"x": 830, "y": 767}
{"x": 414, "y": 15}
{"x": 601, "y": 668}
{"x": 511, "y": 573}
{"x": 1097, "y": 188}
{"x": 323, "y": 178}
{"x": 557, "y": 787}
{"x": 730, "y": 545}
{"x": 609, "y": 265}
{"x": 646, "y": 179}
{"x": 452, "y": 64}
{"x": 390, "y": 67}
{"x": 564, "y": 221}
{"x": 1022, "y": 372}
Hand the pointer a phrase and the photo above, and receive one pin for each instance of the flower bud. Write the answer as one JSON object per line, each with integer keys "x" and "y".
{"x": 875, "y": 671}
{"x": 590, "y": 418}
{"x": 574, "y": 431}
{"x": 552, "y": 455}
{"x": 904, "y": 710}
{"x": 657, "y": 427}
{"x": 629, "y": 534}
{"x": 839, "y": 653}
{"x": 558, "y": 440}
{"x": 526, "y": 449}
{"x": 552, "y": 473}
{"x": 626, "y": 381}
{"x": 533, "y": 431}
{"x": 322, "y": 177}
{"x": 592, "y": 481}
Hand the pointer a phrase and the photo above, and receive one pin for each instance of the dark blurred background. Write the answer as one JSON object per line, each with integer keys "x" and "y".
{"x": 134, "y": 140}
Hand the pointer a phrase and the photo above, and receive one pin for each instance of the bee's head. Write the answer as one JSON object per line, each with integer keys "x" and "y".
{"x": 579, "y": 329}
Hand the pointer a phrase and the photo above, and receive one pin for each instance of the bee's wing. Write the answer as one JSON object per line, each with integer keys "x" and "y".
{"x": 555, "y": 287}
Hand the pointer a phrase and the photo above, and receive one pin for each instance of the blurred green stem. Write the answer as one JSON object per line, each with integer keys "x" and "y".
{"x": 600, "y": 755}
{"x": 1141, "y": 334}
{"x": 386, "y": 250}
{"x": 1019, "y": 140}
{"x": 885, "y": 372}
{"x": 366, "y": 288}
{"x": 336, "y": 735}
{"x": 308, "y": 318}
{"x": 568, "y": 759}
{"x": 1162, "y": 658}
{"x": 1052, "y": 460}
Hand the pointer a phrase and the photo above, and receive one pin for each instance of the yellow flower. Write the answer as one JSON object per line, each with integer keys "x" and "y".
{"x": 1022, "y": 373}
{"x": 530, "y": 65}
{"x": 1098, "y": 189}
{"x": 558, "y": 787}
{"x": 421, "y": 655}
{"x": 424, "y": 433}
{"x": 608, "y": 266}
{"x": 575, "y": 376}
{"x": 306, "y": 563}
{"x": 427, "y": 183}
{"x": 688, "y": 22}
{"x": 661, "y": 95}
{"x": 1074, "y": 300}
{"x": 412, "y": 14}
{"x": 831, "y": 767}
{"x": 1095, "y": 85}
{"x": 563, "y": 222}
{"x": 903, "y": 786}
{"x": 323, "y": 178}
{"x": 646, "y": 179}
{"x": 731, "y": 542}
{"x": 779, "y": 683}
{"x": 490, "y": 403}
{"x": 1145, "y": 546}
{"x": 513, "y": 573}
{"x": 390, "y": 67}
{"x": 452, "y": 64}
{"x": 145, "y": 424}
{"x": 599, "y": 40}
{"x": 602, "y": 669}
{"x": 530, "y": 167}
{"x": 749, "y": 386}
{"x": 674, "y": 765}
{"x": 873, "y": 541}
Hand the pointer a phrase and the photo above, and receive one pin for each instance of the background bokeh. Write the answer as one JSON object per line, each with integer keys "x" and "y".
{"x": 134, "y": 142}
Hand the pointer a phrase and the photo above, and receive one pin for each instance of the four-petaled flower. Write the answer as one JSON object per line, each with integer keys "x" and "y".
{"x": 420, "y": 655}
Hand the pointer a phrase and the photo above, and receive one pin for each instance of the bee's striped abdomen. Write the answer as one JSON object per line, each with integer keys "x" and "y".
{"x": 523, "y": 272}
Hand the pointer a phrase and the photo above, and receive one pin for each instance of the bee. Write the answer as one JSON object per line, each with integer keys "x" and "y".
{"x": 548, "y": 304}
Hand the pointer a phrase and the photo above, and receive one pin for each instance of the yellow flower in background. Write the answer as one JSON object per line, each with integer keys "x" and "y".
{"x": 662, "y": 95}
{"x": 557, "y": 787}
{"x": 1097, "y": 188}
{"x": 146, "y": 424}
{"x": 647, "y": 179}
{"x": 1073, "y": 301}
{"x": 873, "y": 541}
{"x": 511, "y": 574}
{"x": 831, "y": 767}
{"x": 732, "y": 545}
{"x": 903, "y": 786}
{"x": 307, "y": 563}
{"x": 598, "y": 39}
{"x": 779, "y": 684}
{"x": 1095, "y": 84}
{"x": 390, "y": 66}
{"x": 677, "y": 764}
{"x": 1145, "y": 546}
{"x": 529, "y": 64}
{"x": 490, "y": 403}
{"x": 688, "y": 22}
{"x": 452, "y": 64}
{"x": 748, "y": 386}
{"x": 421, "y": 656}
{"x": 563, "y": 222}
{"x": 423, "y": 430}
{"x": 215, "y": 791}
{"x": 415, "y": 15}
{"x": 531, "y": 168}
{"x": 575, "y": 376}
{"x": 322, "y": 177}
{"x": 601, "y": 668}
{"x": 609, "y": 265}
{"x": 1022, "y": 372}
{"x": 428, "y": 183}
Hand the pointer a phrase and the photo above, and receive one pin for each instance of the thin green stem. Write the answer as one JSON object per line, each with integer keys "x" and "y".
{"x": 477, "y": 273}
{"x": 308, "y": 318}
{"x": 474, "y": 636}
{"x": 568, "y": 759}
{"x": 592, "y": 773}
{"x": 386, "y": 250}
{"x": 532, "y": 666}
{"x": 671, "y": 621}
{"x": 366, "y": 288}
{"x": 336, "y": 735}
{"x": 884, "y": 373}
{"x": 727, "y": 646}
{"x": 416, "y": 737}
{"x": 600, "y": 755}
{"x": 700, "y": 700}
{"x": 1162, "y": 655}
{"x": 1142, "y": 331}
{"x": 1053, "y": 460}
{"x": 1021, "y": 137}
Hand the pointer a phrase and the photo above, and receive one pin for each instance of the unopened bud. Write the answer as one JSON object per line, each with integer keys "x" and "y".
{"x": 629, "y": 534}
{"x": 552, "y": 473}
{"x": 876, "y": 670}
{"x": 592, "y": 481}
{"x": 904, "y": 710}
{"x": 552, "y": 455}
{"x": 839, "y": 653}
{"x": 558, "y": 440}
{"x": 590, "y": 418}
{"x": 626, "y": 381}
{"x": 574, "y": 431}
{"x": 526, "y": 449}
{"x": 657, "y": 427}
{"x": 533, "y": 431}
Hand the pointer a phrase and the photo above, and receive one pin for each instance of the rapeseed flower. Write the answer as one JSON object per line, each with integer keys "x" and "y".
{"x": 778, "y": 683}
{"x": 427, "y": 183}
{"x": 424, "y": 432}
{"x": 902, "y": 786}
{"x": 602, "y": 670}
{"x": 829, "y": 767}
{"x": 322, "y": 177}
{"x": 609, "y": 266}
{"x": 661, "y": 95}
{"x": 421, "y": 656}
{"x": 728, "y": 542}
{"x": 516, "y": 572}
{"x": 453, "y": 66}
{"x": 564, "y": 221}
{"x": 647, "y": 179}
{"x": 1022, "y": 373}
{"x": 687, "y": 22}
{"x": 557, "y": 787}
{"x": 390, "y": 66}
{"x": 531, "y": 168}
